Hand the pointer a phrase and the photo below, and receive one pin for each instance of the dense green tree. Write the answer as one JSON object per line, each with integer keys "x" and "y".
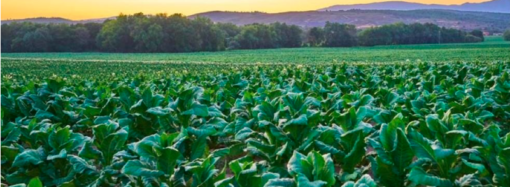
{"x": 399, "y": 33}
{"x": 211, "y": 38}
{"x": 64, "y": 37}
{"x": 256, "y": 36}
{"x": 8, "y": 34}
{"x": 180, "y": 36}
{"x": 15, "y": 34}
{"x": 115, "y": 36}
{"x": 287, "y": 35}
{"x": 315, "y": 37}
{"x": 178, "y": 33}
{"x": 506, "y": 35}
{"x": 478, "y": 33}
{"x": 472, "y": 39}
{"x": 37, "y": 41}
{"x": 82, "y": 39}
{"x": 230, "y": 31}
{"x": 375, "y": 36}
{"x": 340, "y": 35}
{"x": 92, "y": 30}
{"x": 147, "y": 36}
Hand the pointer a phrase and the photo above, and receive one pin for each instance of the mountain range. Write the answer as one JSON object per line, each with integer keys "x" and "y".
{"x": 499, "y": 6}
{"x": 492, "y": 16}
{"x": 57, "y": 20}
{"x": 463, "y": 20}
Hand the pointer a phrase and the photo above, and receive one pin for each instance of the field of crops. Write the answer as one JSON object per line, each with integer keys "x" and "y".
{"x": 494, "y": 48}
{"x": 100, "y": 122}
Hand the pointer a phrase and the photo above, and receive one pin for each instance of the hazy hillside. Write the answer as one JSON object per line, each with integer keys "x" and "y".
{"x": 501, "y": 6}
{"x": 464, "y": 20}
{"x": 41, "y": 20}
{"x": 55, "y": 20}
{"x": 368, "y": 18}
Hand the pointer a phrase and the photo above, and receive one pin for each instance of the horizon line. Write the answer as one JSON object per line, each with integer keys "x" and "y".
{"x": 268, "y": 12}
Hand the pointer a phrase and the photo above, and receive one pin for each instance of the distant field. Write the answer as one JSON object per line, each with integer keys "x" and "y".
{"x": 493, "y": 49}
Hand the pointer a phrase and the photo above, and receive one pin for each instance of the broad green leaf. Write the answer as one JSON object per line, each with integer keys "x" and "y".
{"x": 421, "y": 146}
{"x": 303, "y": 181}
{"x": 35, "y": 182}
{"x": 281, "y": 182}
{"x": 198, "y": 110}
{"x": 139, "y": 169}
{"x": 158, "y": 111}
{"x": 29, "y": 156}
{"x": 81, "y": 166}
{"x": 403, "y": 154}
{"x": 420, "y": 177}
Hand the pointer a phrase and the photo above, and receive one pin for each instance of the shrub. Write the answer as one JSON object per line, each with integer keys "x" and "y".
{"x": 506, "y": 36}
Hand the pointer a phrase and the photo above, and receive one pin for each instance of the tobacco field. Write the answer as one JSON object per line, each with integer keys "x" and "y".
{"x": 395, "y": 124}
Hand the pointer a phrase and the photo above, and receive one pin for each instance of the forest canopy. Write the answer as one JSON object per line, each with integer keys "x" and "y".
{"x": 177, "y": 33}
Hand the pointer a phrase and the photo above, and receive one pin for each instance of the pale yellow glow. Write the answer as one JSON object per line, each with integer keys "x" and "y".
{"x": 87, "y": 9}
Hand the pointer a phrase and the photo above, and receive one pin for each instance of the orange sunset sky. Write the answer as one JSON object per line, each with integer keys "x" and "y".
{"x": 87, "y": 9}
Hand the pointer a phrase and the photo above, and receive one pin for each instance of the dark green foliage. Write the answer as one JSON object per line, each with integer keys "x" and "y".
{"x": 29, "y": 37}
{"x": 506, "y": 35}
{"x": 287, "y": 36}
{"x": 256, "y": 36}
{"x": 176, "y": 33}
{"x": 172, "y": 124}
{"x": 315, "y": 37}
{"x": 339, "y": 35}
{"x": 416, "y": 33}
{"x": 478, "y": 33}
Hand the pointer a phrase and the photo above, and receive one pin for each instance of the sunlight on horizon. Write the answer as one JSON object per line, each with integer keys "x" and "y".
{"x": 90, "y": 9}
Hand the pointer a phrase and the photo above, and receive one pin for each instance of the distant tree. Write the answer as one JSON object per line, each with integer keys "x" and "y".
{"x": 417, "y": 33}
{"x": 8, "y": 34}
{"x": 14, "y": 38}
{"x": 375, "y": 36}
{"x": 506, "y": 35}
{"x": 287, "y": 35}
{"x": 92, "y": 29}
{"x": 177, "y": 33}
{"x": 147, "y": 36}
{"x": 340, "y": 35}
{"x": 256, "y": 36}
{"x": 37, "y": 41}
{"x": 315, "y": 36}
{"x": 472, "y": 39}
{"x": 115, "y": 36}
{"x": 432, "y": 32}
{"x": 82, "y": 39}
{"x": 154, "y": 37}
{"x": 452, "y": 36}
{"x": 211, "y": 38}
{"x": 64, "y": 38}
{"x": 294, "y": 34}
{"x": 478, "y": 33}
{"x": 230, "y": 31}
{"x": 180, "y": 35}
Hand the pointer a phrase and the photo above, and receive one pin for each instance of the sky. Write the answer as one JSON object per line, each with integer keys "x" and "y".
{"x": 89, "y": 9}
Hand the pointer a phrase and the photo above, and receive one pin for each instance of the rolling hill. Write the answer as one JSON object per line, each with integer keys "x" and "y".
{"x": 368, "y": 18}
{"x": 499, "y": 6}
{"x": 464, "y": 20}
{"x": 57, "y": 20}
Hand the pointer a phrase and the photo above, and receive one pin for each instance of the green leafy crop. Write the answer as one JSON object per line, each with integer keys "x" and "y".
{"x": 201, "y": 125}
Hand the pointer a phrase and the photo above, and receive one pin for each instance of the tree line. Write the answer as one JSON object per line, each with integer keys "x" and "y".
{"x": 177, "y": 33}
{"x": 506, "y": 35}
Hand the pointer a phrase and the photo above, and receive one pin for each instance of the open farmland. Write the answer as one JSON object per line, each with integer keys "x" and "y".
{"x": 428, "y": 115}
{"x": 494, "y": 48}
